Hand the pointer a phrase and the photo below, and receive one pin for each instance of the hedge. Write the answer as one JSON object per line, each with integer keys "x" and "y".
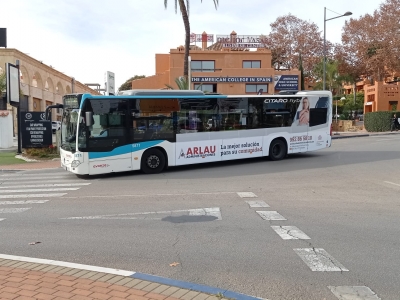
{"x": 379, "y": 121}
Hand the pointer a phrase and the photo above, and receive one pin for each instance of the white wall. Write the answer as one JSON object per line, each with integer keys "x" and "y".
{"x": 6, "y": 129}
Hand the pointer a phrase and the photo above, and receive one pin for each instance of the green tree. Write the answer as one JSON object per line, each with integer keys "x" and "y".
{"x": 349, "y": 105}
{"x": 127, "y": 85}
{"x": 3, "y": 84}
{"x": 184, "y": 8}
{"x": 332, "y": 78}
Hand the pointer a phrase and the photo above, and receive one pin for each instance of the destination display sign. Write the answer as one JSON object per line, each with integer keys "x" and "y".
{"x": 35, "y": 130}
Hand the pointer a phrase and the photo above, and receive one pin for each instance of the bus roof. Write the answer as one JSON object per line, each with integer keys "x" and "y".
{"x": 282, "y": 95}
{"x": 161, "y": 93}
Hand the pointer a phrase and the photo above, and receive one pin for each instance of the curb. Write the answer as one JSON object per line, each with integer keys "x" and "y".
{"x": 362, "y": 135}
{"x": 141, "y": 276}
{"x": 349, "y": 136}
{"x": 193, "y": 286}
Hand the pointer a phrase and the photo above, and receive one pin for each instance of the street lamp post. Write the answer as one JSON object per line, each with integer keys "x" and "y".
{"x": 325, "y": 19}
{"x": 336, "y": 115}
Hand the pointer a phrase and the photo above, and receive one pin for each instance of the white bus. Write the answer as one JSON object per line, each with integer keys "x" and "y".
{"x": 151, "y": 130}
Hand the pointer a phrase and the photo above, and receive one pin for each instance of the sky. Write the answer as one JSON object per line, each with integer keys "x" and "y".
{"x": 86, "y": 38}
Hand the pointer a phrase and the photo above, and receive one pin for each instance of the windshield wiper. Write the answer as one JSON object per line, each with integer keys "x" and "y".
{"x": 66, "y": 144}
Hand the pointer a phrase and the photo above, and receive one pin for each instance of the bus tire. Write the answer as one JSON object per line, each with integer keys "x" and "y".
{"x": 277, "y": 150}
{"x": 153, "y": 161}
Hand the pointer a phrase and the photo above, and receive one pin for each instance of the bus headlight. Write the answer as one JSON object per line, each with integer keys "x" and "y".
{"x": 75, "y": 163}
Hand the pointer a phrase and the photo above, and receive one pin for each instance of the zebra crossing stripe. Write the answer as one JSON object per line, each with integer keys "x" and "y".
{"x": 47, "y": 182}
{"x": 290, "y": 233}
{"x": 271, "y": 215}
{"x": 21, "y": 178}
{"x": 247, "y": 195}
{"x": 13, "y": 210}
{"x": 23, "y": 175}
{"x": 46, "y": 185}
{"x": 353, "y": 292}
{"x": 39, "y": 190}
{"x": 2, "y": 219}
{"x": 317, "y": 259}
{"x": 257, "y": 204}
{"x": 23, "y": 202}
{"x": 32, "y": 196}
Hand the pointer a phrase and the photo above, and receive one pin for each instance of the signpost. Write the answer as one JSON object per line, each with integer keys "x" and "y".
{"x": 36, "y": 130}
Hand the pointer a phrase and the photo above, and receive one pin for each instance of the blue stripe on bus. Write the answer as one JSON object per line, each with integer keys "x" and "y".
{"x": 124, "y": 149}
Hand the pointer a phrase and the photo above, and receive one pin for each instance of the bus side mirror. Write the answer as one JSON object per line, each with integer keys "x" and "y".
{"x": 89, "y": 118}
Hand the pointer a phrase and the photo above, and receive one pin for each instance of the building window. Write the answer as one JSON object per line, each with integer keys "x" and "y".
{"x": 251, "y": 64}
{"x": 210, "y": 88}
{"x": 202, "y": 66}
{"x": 257, "y": 88}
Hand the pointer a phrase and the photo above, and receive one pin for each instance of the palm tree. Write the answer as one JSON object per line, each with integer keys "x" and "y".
{"x": 182, "y": 83}
{"x": 333, "y": 79}
{"x": 184, "y": 8}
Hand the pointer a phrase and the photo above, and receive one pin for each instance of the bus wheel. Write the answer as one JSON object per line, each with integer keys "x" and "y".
{"x": 153, "y": 161}
{"x": 277, "y": 150}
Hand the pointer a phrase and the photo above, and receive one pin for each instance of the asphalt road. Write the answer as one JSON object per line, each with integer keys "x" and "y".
{"x": 345, "y": 199}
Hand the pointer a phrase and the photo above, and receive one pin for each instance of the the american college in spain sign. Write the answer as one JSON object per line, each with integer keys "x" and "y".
{"x": 232, "y": 79}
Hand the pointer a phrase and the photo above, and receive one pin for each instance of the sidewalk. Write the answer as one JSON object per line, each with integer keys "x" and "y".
{"x": 24, "y": 278}
{"x": 36, "y": 165}
{"x": 361, "y": 133}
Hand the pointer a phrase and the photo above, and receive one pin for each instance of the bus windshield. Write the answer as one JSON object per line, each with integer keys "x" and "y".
{"x": 69, "y": 128}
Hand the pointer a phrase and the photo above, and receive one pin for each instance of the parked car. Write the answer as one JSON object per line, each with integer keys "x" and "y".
{"x": 360, "y": 117}
{"x": 55, "y": 125}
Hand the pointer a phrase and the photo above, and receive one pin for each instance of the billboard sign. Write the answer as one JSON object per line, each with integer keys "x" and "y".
{"x": 232, "y": 79}
{"x": 35, "y": 130}
{"x": 12, "y": 84}
{"x": 110, "y": 83}
{"x": 197, "y": 38}
{"x": 3, "y": 37}
{"x": 286, "y": 82}
{"x": 241, "y": 41}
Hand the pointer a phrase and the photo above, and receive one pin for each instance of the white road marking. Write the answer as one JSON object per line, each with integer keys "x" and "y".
{"x": 290, "y": 233}
{"x": 247, "y": 195}
{"x": 45, "y": 185}
{"x": 392, "y": 183}
{"x": 257, "y": 204}
{"x": 68, "y": 265}
{"x": 23, "y": 202}
{"x": 317, "y": 259}
{"x": 61, "y": 181}
{"x": 353, "y": 293}
{"x": 38, "y": 190}
{"x": 147, "y": 195}
{"x": 13, "y": 210}
{"x": 271, "y": 215}
{"x": 2, "y": 219}
{"x": 32, "y": 196}
{"x": 21, "y": 178}
{"x": 213, "y": 211}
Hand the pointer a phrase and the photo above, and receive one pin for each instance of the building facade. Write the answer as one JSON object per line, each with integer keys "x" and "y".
{"x": 40, "y": 84}
{"x": 379, "y": 96}
{"x": 227, "y": 67}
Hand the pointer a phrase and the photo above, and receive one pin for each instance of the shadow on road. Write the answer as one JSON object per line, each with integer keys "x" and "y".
{"x": 261, "y": 165}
